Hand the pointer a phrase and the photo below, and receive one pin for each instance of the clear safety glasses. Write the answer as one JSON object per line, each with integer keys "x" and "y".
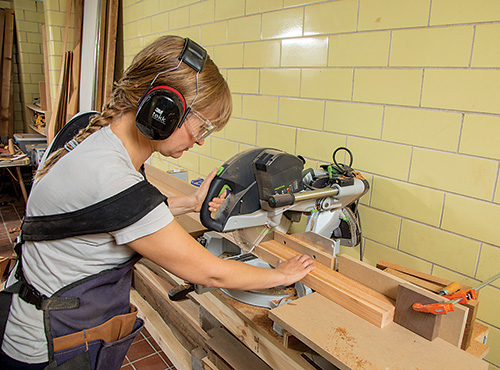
{"x": 199, "y": 126}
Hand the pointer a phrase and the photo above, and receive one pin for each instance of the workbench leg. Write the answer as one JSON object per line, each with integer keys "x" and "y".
{"x": 18, "y": 173}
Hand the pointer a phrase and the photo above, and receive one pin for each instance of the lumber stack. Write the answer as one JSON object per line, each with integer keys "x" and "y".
{"x": 6, "y": 70}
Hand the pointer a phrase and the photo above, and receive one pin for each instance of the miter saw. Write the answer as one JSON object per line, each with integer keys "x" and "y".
{"x": 266, "y": 190}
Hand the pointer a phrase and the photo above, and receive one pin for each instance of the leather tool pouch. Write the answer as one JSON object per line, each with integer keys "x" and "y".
{"x": 101, "y": 348}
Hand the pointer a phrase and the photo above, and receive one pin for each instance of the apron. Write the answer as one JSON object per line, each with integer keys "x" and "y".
{"x": 89, "y": 324}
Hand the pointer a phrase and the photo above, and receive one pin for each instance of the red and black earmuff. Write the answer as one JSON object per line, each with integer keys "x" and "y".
{"x": 162, "y": 108}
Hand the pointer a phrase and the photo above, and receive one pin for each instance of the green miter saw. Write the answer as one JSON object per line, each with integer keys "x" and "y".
{"x": 267, "y": 189}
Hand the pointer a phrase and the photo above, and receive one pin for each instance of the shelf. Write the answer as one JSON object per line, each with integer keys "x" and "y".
{"x": 32, "y": 113}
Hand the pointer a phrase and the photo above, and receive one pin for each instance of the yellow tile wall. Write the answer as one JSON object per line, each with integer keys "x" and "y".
{"x": 412, "y": 88}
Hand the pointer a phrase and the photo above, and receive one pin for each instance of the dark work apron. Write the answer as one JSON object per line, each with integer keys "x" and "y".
{"x": 88, "y": 323}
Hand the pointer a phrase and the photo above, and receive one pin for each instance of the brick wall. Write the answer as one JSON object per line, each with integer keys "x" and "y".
{"x": 412, "y": 87}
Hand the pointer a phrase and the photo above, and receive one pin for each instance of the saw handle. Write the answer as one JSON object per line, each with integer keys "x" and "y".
{"x": 281, "y": 200}
{"x": 180, "y": 291}
{"x": 217, "y": 186}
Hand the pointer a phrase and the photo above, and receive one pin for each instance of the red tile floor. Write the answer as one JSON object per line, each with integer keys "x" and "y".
{"x": 144, "y": 353}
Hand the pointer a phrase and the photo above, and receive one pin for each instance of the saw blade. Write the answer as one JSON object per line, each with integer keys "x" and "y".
{"x": 248, "y": 238}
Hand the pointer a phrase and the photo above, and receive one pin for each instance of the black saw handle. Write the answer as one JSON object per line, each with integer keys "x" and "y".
{"x": 205, "y": 215}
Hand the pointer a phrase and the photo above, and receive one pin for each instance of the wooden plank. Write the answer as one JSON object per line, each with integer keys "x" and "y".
{"x": 372, "y": 277}
{"x": 478, "y": 349}
{"x": 109, "y": 62}
{"x": 233, "y": 352}
{"x": 424, "y": 324}
{"x": 349, "y": 342}
{"x": 415, "y": 280}
{"x": 302, "y": 247}
{"x": 6, "y": 102}
{"x": 415, "y": 273}
{"x": 58, "y": 111}
{"x": 163, "y": 179}
{"x": 365, "y": 302}
{"x": 206, "y": 364}
{"x": 161, "y": 333}
{"x": 185, "y": 328}
{"x": 48, "y": 97}
{"x": 480, "y": 332}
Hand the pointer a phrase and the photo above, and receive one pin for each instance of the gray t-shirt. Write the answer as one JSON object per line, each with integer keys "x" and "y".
{"x": 98, "y": 168}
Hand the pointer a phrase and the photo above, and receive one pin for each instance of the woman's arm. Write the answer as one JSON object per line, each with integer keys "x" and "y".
{"x": 175, "y": 250}
{"x": 192, "y": 203}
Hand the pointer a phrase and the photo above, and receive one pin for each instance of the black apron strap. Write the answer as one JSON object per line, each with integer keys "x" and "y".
{"x": 111, "y": 214}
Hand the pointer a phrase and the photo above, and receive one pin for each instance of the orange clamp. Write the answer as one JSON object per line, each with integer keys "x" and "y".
{"x": 464, "y": 295}
{"x": 435, "y": 308}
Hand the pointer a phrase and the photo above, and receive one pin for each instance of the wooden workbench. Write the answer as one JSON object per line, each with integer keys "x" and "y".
{"x": 312, "y": 325}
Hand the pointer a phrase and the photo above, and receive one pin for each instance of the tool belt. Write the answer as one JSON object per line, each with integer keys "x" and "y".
{"x": 89, "y": 324}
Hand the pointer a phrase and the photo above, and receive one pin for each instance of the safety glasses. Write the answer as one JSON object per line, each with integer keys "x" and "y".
{"x": 199, "y": 126}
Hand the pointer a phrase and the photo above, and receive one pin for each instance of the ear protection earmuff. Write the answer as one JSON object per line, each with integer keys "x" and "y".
{"x": 162, "y": 108}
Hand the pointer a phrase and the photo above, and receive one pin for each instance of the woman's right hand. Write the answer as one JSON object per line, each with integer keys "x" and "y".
{"x": 296, "y": 268}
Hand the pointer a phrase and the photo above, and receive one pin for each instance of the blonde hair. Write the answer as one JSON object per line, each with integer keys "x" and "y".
{"x": 214, "y": 95}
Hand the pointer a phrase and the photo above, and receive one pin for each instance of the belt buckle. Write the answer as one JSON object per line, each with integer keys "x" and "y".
{"x": 30, "y": 295}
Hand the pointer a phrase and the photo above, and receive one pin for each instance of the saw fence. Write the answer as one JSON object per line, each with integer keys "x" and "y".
{"x": 357, "y": 318}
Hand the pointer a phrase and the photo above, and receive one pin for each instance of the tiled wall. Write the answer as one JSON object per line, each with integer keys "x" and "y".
{"x": 412, "y": 87}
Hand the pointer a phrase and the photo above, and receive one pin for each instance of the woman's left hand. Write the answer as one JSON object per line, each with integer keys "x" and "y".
{"x": 202, "y": 192}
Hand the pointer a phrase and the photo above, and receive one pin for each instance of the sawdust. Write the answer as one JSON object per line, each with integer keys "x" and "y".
{"x": 288, "y": 291}
{"x": 343, "y": 346}
{"x": 342, "y": 332}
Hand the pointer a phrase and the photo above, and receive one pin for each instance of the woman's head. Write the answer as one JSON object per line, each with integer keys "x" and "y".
{"x": 213, "y": 97}
{"x": 213, "y": 100}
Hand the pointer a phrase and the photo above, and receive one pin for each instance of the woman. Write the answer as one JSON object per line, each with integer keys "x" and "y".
{"x": 75, "y": 284}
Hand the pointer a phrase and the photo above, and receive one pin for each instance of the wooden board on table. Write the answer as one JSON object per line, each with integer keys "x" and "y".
{"x": 320, "y": 256}
{"x": 370, "y": 276}
{"x": 456, "y": 326}
{"x": 424, "y": 324}
{"x": 349, "y": 342}
{"x": 365, "y": 302}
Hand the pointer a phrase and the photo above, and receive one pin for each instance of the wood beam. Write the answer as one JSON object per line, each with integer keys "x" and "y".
{"x": 363, "y": 301}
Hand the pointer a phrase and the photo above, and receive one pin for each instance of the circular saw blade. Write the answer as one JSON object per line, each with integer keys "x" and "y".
{"x": 247, "y": 238}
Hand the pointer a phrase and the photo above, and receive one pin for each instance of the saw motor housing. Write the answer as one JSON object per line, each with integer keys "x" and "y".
{"x": 254, "y": 179}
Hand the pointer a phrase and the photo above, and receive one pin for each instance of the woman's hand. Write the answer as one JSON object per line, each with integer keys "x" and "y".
{"x": 296, "y": 268}
{"x": 201, "y": 194}
{"x": 183, "y": 204}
